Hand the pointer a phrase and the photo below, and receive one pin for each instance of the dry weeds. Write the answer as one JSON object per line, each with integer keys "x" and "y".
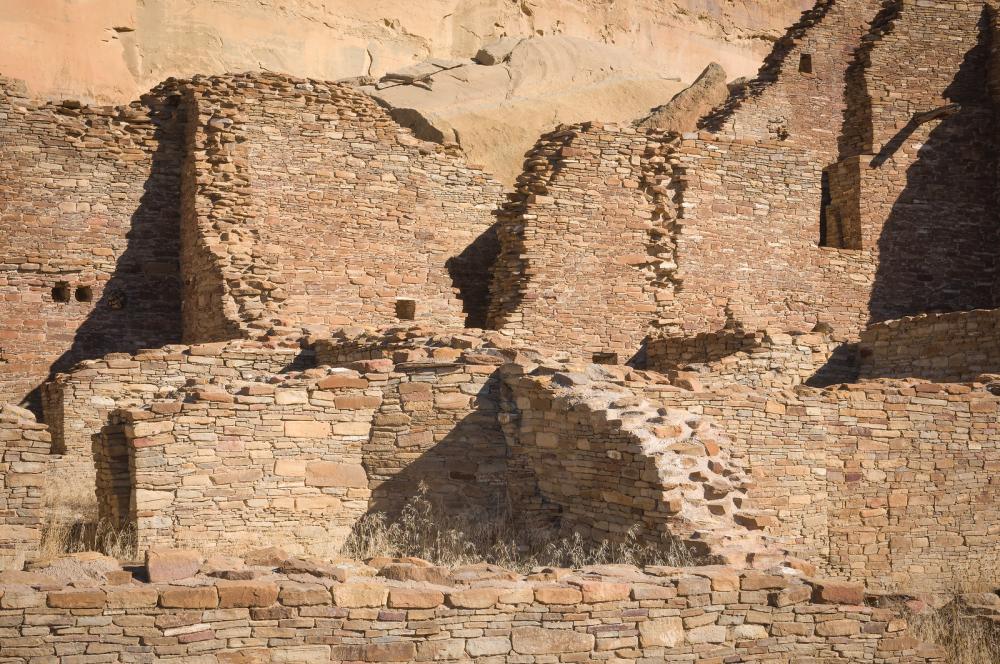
{"x": 967, "y": 639}
{"x": 72, "y": 525}
{"x": 426, "y": 530}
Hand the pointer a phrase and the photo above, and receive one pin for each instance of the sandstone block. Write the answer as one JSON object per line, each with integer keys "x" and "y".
{"x": 132, "y": 597}
{"x": 77, "y": 599}
{"x": 487, "y": 646}
{"x": 164, "y": 565}
{"x": 300, "y": 655}
{"x": 474, "y": 598}
{"x": 246, "y": 593}
{"x": 558, "y": 595}
{"x": 839, "y": 592}
{"x": 707, "y": 634}
{"x": 329, "y": 473}
{"x": 353, "y": 595}
{"x": 665, "y": 632}
{"x": 413, "y": 598}
{"x": 175, "y": 597}
{"x": 844, "y": 627}
{"x": 307, "y": 429}
{"x": 541, "y": 641}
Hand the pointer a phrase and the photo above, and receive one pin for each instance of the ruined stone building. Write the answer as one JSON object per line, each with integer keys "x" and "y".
{"x": 251, "y": 309}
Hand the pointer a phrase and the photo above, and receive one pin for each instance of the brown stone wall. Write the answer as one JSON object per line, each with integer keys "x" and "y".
{"x": 24, "y": 462}
{"x": 748, "y": 247}
{"x": 585, "y": 255}
{"x": 88, "y": 200}
{"x": 958, "y": 346}
{"x": 890, "y": 482}
{"x": 592, "y": 458}
{"x": 922, "y": 189}
{"x": 283, "y": 463}
{"x": 587, "y": 615}
{"x": 77, "y": 404}
{"x": 340, "y": 212}
{"x": 755, "y": 359}
{"x": 798, "y": 95}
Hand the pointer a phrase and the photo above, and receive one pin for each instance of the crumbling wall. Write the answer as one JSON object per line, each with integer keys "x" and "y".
{"x": 314, "y": 206}
{"x": 889, "y": 482}
{"x": 765, "y": 358}
{"x": 24, "y": 462}
{"x": 585, "y": 248}
{"x": 592, "y": 458}
{"x": 558, "y": 615}
{"x": 958, "y": 346}
{"x": 88, "y": 233}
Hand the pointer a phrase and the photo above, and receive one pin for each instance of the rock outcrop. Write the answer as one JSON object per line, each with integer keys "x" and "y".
{"x": 682, "y": 112}
{"x": 594, "y": 60}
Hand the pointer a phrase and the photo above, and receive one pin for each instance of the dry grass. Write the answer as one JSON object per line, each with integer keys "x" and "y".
{"x": 426, "y": 530}
{"x": 72, "y": 525}
{"x": 966, "y": 639}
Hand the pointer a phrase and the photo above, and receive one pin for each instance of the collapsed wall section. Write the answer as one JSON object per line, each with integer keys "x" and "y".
{"x": 586, "y": 253}
{"x": 88, "y": 233}
{"x": 888, "y": 482}
{"x": 314, "y": 206}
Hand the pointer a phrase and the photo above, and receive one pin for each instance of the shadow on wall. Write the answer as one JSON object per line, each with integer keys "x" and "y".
{"x": 938, "y": 249}
{"x": 465, "y": 473}
{"x": 140, "y": 305}
{"x": 470, "y": 273}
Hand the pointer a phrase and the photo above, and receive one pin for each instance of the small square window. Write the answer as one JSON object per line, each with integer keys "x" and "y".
{"x": 60, "y": 292}
{"x": 84, "y": 294}
{"x": 406, "y": 309}
{"x": 806, "y": 63}
{"x": 605, "y": 358}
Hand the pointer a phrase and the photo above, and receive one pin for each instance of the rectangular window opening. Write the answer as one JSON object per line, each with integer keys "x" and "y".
{"x": 406, "y": 309}
{"x": 824, "y": 210}
{"x": 605, "y": 358}
{"x": 806, "y": 63}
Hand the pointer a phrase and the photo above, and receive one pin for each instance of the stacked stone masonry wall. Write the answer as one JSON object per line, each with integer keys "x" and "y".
{"x": 891, "y": 482}
{"x": 24, "y": 464}
{"x": 920, "y": 191}
{"x": 298, "y": 462}
{"x": 959, "y": 346}
{"x": 754, "y": 359}
{"x": 337, "y": 211}
{"x": 78, "y": 404}
{"x": 583, "y": 244}
{"x": 88, "y": 234}
{"x": 473, "y": 614}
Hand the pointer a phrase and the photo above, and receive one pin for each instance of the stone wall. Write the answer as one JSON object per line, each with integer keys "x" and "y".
{"x": 891, "y": 482}
{"x": 297, "y": 459}
{"x": 583, "y": 242}
{"x": 344, "y": 216}
{"x": 77, "y": 404}
{"x": 222, "y": 469}
{"x": 24, "y": 463}
{"x": 765, "y": 358}
{"x": 280, "y": 614}
{"x": 921, "y": 174}
{"x": 88, "y": 221}
{"x": 958, "y": 346}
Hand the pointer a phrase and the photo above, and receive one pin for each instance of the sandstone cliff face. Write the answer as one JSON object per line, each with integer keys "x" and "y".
{"x": 113, "y": 50}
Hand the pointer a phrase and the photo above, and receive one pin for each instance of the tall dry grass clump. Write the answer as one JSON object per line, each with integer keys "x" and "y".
{"x": 967, "y": 639}
{"x": 72, "y": 525}
{"x": 427, "y": 530}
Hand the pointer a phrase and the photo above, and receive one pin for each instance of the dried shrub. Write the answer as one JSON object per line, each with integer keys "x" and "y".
{"x": 426, "y": 530}
{"x": 967, "y": 639}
